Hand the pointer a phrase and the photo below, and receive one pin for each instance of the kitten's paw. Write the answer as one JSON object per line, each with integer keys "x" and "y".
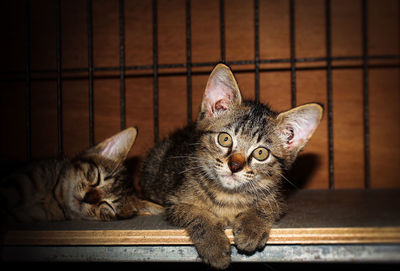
{"x": 250, "y": 236}
{"x": 215, "y": 250}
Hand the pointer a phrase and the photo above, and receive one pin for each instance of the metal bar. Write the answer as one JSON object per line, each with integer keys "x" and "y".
{"x": 256, "y": 50}
{"x": 59, "y": 79}
{"x": 349, "y": 253}
{"x": 155, "y": 73}
{"x": 329, "y": 90}
{"x": 366, "y": 94}
{"x": 90, "y": 70}
{"x": 28, "y": 82}
{"x": 193, "y": 73}
{"x": 292, "y": 52}
{"x": 211, "y": 64}
{"x": 189, "y": 61}
{"x": 122, "y": 62}
{"x": 222, "y": 29}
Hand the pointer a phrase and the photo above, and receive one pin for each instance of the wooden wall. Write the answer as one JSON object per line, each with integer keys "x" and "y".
{"x": 275, "y": 78}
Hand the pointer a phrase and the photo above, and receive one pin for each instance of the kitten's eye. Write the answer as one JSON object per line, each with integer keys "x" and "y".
{"x": 93, "y": 176}
{"x": 261, "y": 154}
{"x": 225, "y": 140}
{"x": 109, "y": 177}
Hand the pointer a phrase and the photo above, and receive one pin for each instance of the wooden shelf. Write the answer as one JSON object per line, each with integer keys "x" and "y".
{"x": 357, "y": 235}
{"x": 340, "y": 217}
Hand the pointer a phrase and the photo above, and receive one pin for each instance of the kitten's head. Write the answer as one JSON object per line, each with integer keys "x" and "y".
{"x": 244, "y": 143}
{"x": 96, "y": 185}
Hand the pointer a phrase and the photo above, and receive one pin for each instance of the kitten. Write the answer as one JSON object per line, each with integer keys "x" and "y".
{"x": 226, "y": 168}
{"x": 93, "y": 186}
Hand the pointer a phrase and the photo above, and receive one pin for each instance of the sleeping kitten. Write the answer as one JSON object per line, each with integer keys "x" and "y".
{"x": 226, "y": 169}
{"x": 93, "y": 186}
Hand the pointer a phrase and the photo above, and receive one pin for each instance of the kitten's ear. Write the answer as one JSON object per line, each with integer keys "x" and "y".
{"x": 222, "y": 91}
{"x": 117, "y": 147}
{"x": 296, "y": 126}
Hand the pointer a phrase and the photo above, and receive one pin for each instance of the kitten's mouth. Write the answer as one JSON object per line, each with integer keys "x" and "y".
{"x": 230, "y": 181}
{"x": 77, "y": 202}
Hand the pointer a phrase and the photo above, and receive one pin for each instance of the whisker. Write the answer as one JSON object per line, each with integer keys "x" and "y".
{"x": 295, "y": 186}
{"x": 194, "y": 144}
{"x": 189, "y": 169}
{"x": 193, "y": 158}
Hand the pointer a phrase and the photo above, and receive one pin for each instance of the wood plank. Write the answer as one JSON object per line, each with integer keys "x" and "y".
{"x": 311, "y": 87}
{"x": 43, "y": 31}
{"x": 310, "y": 28}
{"x": 105, "y": 33}
{"x": 172, "y": 104}
{"x": 44, "y": 134}
{"x": 346, "y": 35}
{"x": 138, "y": 32}
{"x": 171, "y": 31}
{"x": 384, "y": 123}
{"x": 139, "y": 113}
{"x": 348, "y": 149}
{"x": 239, "y": 33}
{"x": 180, "y": 237}
{"x": 310, "y": 31}
{"x": 75, "y": 116}
{"x": 314, "y": 217}
{"x": 12, "y": 104}
{"x": 205, "y": 31}
{"x": 74, "y": 40}
{"x": 13, "y": 39}
{"x": 275, "y": 31}
{"x": 106, "y": 108}
{"x": 275, "y": 90}
{"x": 383, "y": 27}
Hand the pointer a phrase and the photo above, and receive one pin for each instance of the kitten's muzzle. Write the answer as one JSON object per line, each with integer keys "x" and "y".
{"x": 92, "y": 197}
{"x": 236, "y": 162}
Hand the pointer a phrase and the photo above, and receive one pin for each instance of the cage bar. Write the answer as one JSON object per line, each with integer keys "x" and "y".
{"x": 256, "y": 50}
{"x": 222, "y": 29}
{"x": 22, "y": 74}
{"x": 155, "y": 73}
{"x": 122, "y": 62}
{"x": 329, "y": 90}
{"x": 28, "y": 125}
{"x": 292, "y": 53}
{"x": 212, "y": 64}
{"x": 366, "y": 94}
{"x": 59, "y": 80}
{"x": 90, "y": 69}
{"x": 189, "y": 61}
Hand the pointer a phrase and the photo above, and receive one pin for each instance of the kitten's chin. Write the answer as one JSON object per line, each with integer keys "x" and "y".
{"x": 230, "y": 181}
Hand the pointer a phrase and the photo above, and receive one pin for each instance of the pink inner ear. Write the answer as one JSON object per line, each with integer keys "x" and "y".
{"x": 109, "y": 150}
{"x": 221, "y": 105}
{"x": 218, "y": 96}
{"x": 117, "y": 146}
{"x": 298, "y": 131}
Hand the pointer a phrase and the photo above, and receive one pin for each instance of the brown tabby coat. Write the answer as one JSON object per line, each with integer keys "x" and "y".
{"x": 225, "y": 169}
{"x": 93, "y": 186}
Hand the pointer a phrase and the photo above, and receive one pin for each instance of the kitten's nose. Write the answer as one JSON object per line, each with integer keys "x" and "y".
{"x": 236, "y": 162}
{"x": 92, "y": 197}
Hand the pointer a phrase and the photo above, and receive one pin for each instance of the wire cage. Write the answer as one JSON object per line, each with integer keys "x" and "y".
{"x": 75, "y": 72}
{"x": 78, "y": 71}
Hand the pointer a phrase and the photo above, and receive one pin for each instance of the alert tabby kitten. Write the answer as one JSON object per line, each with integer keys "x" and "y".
{"x": 226, "y": 168}
{"x": 92, "y": 186}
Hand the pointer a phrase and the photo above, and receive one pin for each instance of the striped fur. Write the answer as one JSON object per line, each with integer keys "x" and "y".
{"x": 94, "y": 186}
{"x": 207, "y": 174}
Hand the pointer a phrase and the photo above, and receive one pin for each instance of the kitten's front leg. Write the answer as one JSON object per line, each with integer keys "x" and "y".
{"x": 251, "y": 230}
{"x": 205, "y": 231}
